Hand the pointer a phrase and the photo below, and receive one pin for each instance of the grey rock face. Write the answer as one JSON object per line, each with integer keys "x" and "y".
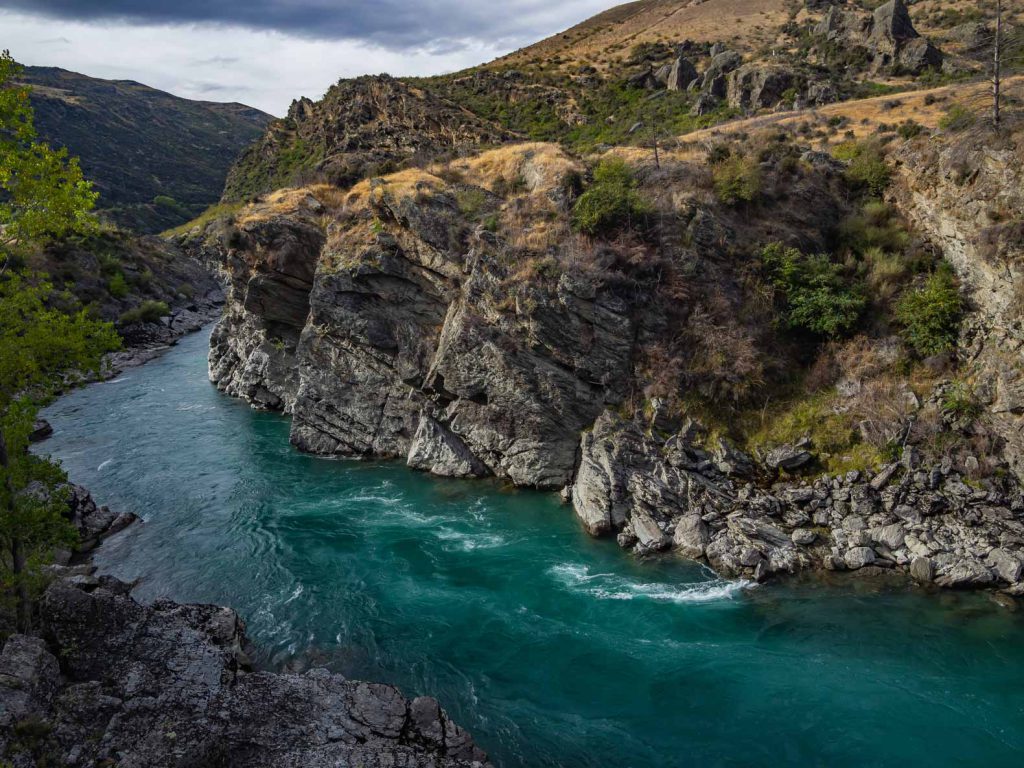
{"x": 435, "y": 449}
{"x": 168, "y": 684}
{"x": 363, "y": 338}
{"x": 888, "y": 35}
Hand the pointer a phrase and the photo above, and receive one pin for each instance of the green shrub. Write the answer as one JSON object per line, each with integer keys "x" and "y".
{"x": 117, "y": 286}
{"x": 957, "y": 118}
{"x": 959, "y": 400}
{"x": 611, "y": 202}
{"x": 737, "y": 180}
{"x": 147, "y": 312}
{"x": 866, "y": 168}
{"x": 818, "y": 297}
{"x": 874, "y": 226}
{"x": 931, "y": 314}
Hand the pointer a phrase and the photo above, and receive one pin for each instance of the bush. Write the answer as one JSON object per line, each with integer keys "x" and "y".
{"x": 737, "y": 180}
{"x": 147, "y": 312}
{"x": 875, "y": 225}
{"x": 611, "y": 202}
{"x": 818, "y": 296}
{"x": 931, "y": 314}
{"x": 957, "y": 118}
{"x": 118, "y": 286}
{"x": 866, "y": 168}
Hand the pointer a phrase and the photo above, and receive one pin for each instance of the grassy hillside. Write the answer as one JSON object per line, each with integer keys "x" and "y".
{"x": 157, "y": 160}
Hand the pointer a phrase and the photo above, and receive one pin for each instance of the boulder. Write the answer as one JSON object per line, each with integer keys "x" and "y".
{"x": 758, "y": 86}
{"x": 788, "y": 458}
{"x": 681, "y": 74}
{"x": 437, "y": 450}
{"x": 691, "y": 536}
{"x": 1006, "y": 565}
{"x": 858, "y": 557}
{"x": 803, "y": 537}
{"x": 648, "y": 534}
{"x": 704, "y": 104}
{"x": 922, "y": 570}
{"x": 917, "y": 55}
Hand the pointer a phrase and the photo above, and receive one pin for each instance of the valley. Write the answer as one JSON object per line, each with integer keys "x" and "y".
{"x": 651, "y": 394}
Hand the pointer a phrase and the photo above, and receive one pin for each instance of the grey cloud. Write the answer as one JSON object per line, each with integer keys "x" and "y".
{"x": 394, "y": 24}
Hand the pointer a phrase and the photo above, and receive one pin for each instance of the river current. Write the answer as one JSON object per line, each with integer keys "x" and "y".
{"x": 551, "y": 648}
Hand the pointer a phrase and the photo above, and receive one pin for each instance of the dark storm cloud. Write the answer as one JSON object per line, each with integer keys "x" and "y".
{"x": 434, "y": 24}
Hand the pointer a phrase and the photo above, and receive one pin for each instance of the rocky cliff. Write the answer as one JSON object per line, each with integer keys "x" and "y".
{"x": 450, "y": 317}
{"x": 112, "y": 681}
{"x": 968, "y": 193}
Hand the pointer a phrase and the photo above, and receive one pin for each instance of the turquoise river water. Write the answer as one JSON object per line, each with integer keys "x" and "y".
{"x": 552, "y": 648}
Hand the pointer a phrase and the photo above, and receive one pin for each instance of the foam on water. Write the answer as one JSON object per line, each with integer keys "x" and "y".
{"x": 610, "y": 586}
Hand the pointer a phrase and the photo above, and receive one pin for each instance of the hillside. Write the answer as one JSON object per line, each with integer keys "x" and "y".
{"x": 157, "y": 160}
{"x": 598, "y": 40}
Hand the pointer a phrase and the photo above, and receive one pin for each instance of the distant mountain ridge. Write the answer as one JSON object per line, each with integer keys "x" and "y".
{"x": 157, "y": 160}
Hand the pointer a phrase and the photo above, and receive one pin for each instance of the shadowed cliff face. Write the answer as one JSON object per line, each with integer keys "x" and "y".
{"x": 455, "y": 320}
{"x": 405, "y": 349}
{"x": 968, "y": 194}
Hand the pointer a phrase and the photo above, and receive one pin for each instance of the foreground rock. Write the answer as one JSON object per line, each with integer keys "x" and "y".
{"x": 655, "y": 491}
{"x": 120, "y": 683}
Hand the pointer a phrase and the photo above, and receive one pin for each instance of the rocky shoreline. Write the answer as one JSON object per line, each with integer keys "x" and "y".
{"x": 111, "y": 681}
{"x": 716, "y": 504}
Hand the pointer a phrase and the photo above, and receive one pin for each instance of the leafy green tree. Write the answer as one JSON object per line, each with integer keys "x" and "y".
{"x": 42, "y": 345}
{"x": 737, "y": 179}
{"x": 42, "y": 192}
{"x": 817, "y": 295}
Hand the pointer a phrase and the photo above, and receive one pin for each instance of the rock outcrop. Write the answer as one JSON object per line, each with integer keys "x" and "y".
{"x": 888, "y": 36}
{"x": 388, "y": 336}
{"x": 360, "y": 127}
{"x": 657, "y": 492}
{"x": 118, "y": 682}
{"x": 757, "y": 86}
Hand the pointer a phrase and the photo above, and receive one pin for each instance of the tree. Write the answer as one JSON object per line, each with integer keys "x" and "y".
{"x": 43, "y": 344}
{"x": 42, "y": 192}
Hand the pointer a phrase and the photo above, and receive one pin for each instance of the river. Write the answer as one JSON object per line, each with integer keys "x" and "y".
{"x": 551, "y": 648}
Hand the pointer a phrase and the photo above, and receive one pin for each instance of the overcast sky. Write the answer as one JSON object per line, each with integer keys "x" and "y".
{"x": 267, "y": 52}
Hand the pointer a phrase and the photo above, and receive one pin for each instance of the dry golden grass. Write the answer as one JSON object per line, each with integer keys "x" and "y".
{"x": 537, "y": 166}
{"x": 411, "y": 182}
{"x": 741, "y": 23}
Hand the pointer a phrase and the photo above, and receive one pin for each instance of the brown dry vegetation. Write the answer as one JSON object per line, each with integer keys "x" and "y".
{"x": 744, "y": 24}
